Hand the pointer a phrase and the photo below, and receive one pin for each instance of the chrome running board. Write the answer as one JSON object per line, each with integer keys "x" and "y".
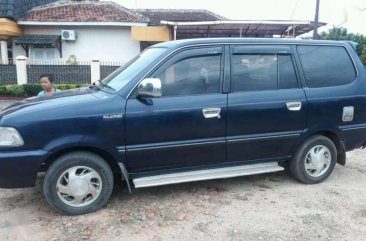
{"x": 217, "y": 173}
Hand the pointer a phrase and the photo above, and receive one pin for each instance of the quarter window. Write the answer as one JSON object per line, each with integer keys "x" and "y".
{"x": 326, "y": 66}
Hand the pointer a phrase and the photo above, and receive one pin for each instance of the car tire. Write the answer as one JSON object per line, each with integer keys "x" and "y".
{"x": 314, "y": 161}
{"x": 78, "y": 183}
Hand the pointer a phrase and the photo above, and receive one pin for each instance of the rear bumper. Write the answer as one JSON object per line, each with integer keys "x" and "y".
{"x": 19, "y": 169}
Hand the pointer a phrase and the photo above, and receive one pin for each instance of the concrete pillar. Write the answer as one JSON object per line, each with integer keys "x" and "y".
{"x": 175, "y": 31}
{"x": 95, "y": 70}
{"x": 21, "y": 66}
{"x": 4, "y": 51}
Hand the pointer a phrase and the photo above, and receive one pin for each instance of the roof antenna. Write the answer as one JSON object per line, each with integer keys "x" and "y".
{"x": 293, "y": 10}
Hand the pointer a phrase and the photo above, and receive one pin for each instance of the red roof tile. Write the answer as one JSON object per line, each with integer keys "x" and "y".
{"x": 83, "y": 12}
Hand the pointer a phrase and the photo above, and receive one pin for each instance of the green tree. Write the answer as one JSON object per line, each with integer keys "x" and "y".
{"x": 363, "y": 55}
{"x": 342, "y": 34}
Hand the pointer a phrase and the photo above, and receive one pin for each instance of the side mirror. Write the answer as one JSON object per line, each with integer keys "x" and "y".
{"x": 150, "y": 87}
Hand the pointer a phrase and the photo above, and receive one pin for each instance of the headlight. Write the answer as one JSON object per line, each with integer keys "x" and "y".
{"x": 10, "y": 137}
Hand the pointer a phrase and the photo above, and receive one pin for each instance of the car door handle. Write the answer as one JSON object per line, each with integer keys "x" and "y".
{"x": 211, "y": 112}
{"x": 293, "y": 105}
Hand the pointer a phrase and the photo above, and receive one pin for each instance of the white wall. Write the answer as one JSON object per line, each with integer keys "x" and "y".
{"x": 104, "y": 43}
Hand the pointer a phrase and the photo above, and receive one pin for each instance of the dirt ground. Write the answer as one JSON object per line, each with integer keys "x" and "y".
{"x": 260, "y": 207}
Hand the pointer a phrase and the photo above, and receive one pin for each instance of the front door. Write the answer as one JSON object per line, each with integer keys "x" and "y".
{"x": 267, "y": 108}
{"x": 186, "y": 126}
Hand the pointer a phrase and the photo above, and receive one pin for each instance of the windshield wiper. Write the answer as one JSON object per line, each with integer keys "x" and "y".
{"x": 105, "y": 85}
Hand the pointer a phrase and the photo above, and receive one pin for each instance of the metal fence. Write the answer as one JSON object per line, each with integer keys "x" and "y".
{"x": 8, "y": 74}
{"x": 63, "y": 73}
{"x": 108, "y": 67}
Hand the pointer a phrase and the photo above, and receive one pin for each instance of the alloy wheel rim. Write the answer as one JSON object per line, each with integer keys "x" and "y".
{"x": 317, "y": 160}
{"x": 79, "y": 186}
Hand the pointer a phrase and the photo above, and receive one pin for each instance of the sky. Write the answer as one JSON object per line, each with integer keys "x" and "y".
{"x": 342, "y": 13}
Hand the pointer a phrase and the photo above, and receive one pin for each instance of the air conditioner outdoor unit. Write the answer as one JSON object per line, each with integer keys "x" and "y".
{"x": 68, "y": 35}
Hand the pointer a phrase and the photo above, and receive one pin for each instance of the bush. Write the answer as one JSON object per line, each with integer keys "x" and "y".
{"x": 31, "y": 89}
{"x": 3, "y": 90}
{"x": 15, "y": 90}
{"x": 67, "y": 86}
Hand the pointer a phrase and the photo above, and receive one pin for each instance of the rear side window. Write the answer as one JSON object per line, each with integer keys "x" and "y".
{"x": 326, "y": 66}
{"x": 254, "y": 72}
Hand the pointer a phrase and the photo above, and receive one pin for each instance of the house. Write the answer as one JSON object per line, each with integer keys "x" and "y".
{"x": 85, "y": 30}
{"x": 158, "y": 32}
{"x": 200, "y": 23}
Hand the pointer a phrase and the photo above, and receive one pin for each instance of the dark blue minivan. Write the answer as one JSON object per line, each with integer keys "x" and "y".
{"x": 191, "y": 110}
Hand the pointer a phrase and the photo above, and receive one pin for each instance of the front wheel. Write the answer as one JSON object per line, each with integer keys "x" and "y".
{"x": 78, "y": 183}
{"x": 314, "y": 161}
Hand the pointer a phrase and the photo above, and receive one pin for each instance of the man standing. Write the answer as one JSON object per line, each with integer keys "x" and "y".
{"x": 46, "y": 81}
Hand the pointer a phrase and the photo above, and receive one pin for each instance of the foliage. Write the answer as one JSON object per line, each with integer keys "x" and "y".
{"x": 72, "y": 60}
{"x": 29, "y": 90}
{"x": 67, "y": 86}
{"x": 15, "y": 90}
{"x": 342, "y": 34}
{"x": 3, "y": 90}
{"x": 363, "y": 55}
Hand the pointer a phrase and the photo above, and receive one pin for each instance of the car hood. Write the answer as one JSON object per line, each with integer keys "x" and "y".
{"x": 63, "y": 98}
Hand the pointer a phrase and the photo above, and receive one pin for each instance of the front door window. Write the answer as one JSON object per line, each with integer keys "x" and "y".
{"x": 192, "y": 76}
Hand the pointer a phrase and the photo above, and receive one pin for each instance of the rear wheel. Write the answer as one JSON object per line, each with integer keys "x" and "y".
{"x": 314, "y": 161}
{"x": 78, "y": 183}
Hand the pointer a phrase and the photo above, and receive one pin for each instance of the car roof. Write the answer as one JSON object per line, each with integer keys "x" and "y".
{"x": 187, "y": 42}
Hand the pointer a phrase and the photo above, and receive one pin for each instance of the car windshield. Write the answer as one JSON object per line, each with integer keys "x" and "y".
{"x": 118, "y": 79}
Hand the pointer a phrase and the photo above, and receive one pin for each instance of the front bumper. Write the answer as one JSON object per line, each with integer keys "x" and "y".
{"x": 18, "y": 169}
